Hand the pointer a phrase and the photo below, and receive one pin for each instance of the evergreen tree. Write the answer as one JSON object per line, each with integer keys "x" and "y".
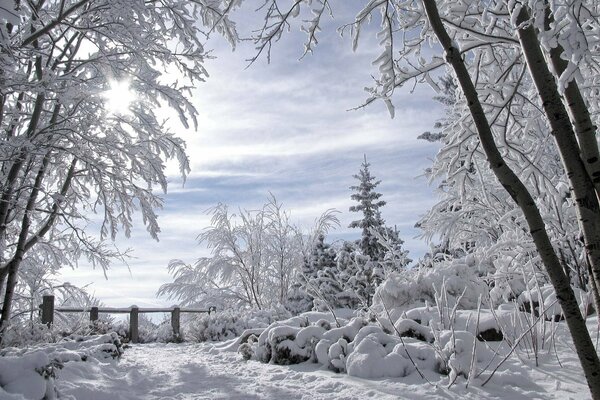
{"x": 298, "y": 301}
{"x": 319, "y": 274}
{"x": 395, "y": 256}
{"x": 348, "y": 268}
{"x": 369, "y": 204}
{"x": 379, "y": 248}
{"x": 318, "y": 259}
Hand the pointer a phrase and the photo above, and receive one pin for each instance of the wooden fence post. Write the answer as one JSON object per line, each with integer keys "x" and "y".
{"x": 175, "y": 321}
{"x": 133, "y": 324}
{"x": 94, "y": 314}
{"x": 48, "y": 310}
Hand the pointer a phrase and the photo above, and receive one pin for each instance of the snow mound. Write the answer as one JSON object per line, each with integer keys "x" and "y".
{"x": 29, "y": 373}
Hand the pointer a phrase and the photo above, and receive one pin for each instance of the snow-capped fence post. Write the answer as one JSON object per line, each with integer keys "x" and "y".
{"x": 175, "y": 320}
{"x": 133, "y": 324}
{"x": 48, "y": 310}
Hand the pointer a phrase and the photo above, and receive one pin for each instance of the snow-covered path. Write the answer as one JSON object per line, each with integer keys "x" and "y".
{"x": 201, "y": 371}
{"x": 192, "y": 371}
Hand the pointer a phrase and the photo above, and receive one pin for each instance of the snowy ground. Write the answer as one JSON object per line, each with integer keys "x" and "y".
{"x": 203, "y": 371}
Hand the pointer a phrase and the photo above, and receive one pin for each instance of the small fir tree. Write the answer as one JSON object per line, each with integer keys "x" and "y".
{"x": 369, "y": 204}
{"x": 319, "y": 274}
{"x": 347, "y": 267}
{"x": 395, "y": 256}
{"x": 380, "y": 247}
{"x": 298, "y": 301}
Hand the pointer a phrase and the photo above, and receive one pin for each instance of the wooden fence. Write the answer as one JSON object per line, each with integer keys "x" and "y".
{"x": 47, "y": 309}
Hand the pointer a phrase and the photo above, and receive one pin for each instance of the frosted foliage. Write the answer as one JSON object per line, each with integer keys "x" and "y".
{"x": 255, "y": 259}
{"x": 228, "y": 324}
{"x": 416, "y": 286}
{"x": 484, "y": 31}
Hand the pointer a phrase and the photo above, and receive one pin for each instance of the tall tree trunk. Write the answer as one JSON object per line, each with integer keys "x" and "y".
{"x": 519, "y": 193}
{"x": 25, "y": 243}
{"x": 579, "y": 113}
{"x": 15, "y": 262}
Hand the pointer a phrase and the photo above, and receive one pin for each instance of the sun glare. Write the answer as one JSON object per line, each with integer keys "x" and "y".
{"x": 119, "y": 97}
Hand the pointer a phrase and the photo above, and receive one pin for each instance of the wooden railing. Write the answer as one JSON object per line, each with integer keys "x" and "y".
{"x": 47, "y": 309}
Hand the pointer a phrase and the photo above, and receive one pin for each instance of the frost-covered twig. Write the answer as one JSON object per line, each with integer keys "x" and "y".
{"x": 474, "y": 350}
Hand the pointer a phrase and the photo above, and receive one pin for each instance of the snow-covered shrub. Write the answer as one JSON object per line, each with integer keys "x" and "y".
{"x": 429, "y": 340}
{"x": 26, "y": 333}
{"x": 460, "y": 354}
{"x": 21, "y": 333}
{"x": 30, "y": 372}
{"x": 542, "y": 300}
{"x": 286, "y": 344}
{"x": 228, "y": 324}
{"x": 30, "y": 376}
{"x": 374, "y": 356}
{"x": 407, "y": 288}
{"x": 74, "y": 348}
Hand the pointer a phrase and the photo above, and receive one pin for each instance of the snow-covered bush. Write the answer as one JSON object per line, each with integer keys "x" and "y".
{"x": 22, "y": 333}
{"x": 227, "y": 324}
{"x": 30, "y": 372}
{"x": 542, "y": 300}
{"x": 460, "y": 280}
{"x": 430, "y": 340}
{"x": 30, "y": 376}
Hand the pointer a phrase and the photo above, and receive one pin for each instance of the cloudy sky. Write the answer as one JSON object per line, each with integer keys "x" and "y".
{"x": 282, "y": 128}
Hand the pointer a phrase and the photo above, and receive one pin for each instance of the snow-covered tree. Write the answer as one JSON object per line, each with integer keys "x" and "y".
{"x": 380, "y": 247}
{"x": 254, "y": 256}
{"x": 68, "y": 148}
{"x": 369, "y": 205}
{"x": 347, "y": 260}
{"x": 319, "y": 274}
{"x": 298, "y": 301}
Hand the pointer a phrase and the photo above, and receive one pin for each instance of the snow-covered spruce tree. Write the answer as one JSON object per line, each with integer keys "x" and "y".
{"x": 320, "y": 275}
{"x": 496, "y": 49}
{"x": 298, "y": 301}
{"x": 369, "y": 205}
{"x": 380, "y": 246}
{"x": 347, "y": 263}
